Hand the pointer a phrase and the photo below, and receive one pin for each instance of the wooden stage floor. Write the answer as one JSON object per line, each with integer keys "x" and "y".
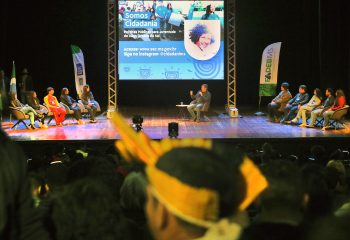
{"x": 156, "y": 122}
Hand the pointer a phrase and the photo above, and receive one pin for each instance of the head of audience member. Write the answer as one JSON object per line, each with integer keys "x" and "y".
{"x": 302, "y": 89}
{"x": 65, "y": 91}
{"x": 50, "y": 91}
{"x": 86, "y": 89}
{"x": 315, "y": 186}
{"x": 336, "y": 174}
{"x": 189, "y": 170}
{"x": 329, "y": 92}
{"x": 204, "y": 88}
{"x": 285, "y": 86}
{"x": 201, "y": 36}
{"x": 318, "y": 93}
{"x": 268, "y": 153}
{"x": 284, "y": 198}
{"x": 318, "y": 153}
{"x": 335, "y": 228}
{"x": 97, "y": 167}
{"x": 86, "y": 209}
{"x": 132, "y": 194}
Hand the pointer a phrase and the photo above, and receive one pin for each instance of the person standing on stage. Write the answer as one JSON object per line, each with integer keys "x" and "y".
{"x": 327, "y": 104}
{"x": 52, "y": 103}
{"x": 25, "y": 85}
{"x": 89, "y": 102}
{"x": 201, "y": 100}
{"x": 278, "y": 103}
{"x": 72, "y": 104}
{"x": 295, "y": 103}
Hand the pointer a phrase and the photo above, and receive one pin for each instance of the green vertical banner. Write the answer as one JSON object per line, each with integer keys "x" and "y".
{"x": 79, "y": 69}
{"x": 269, "y": 70}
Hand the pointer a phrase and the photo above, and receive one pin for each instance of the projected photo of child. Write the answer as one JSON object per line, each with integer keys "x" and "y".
{"x": 202, "y": 38}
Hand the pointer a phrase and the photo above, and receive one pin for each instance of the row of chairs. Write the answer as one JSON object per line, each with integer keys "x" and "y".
{"x": 21, "y": 116}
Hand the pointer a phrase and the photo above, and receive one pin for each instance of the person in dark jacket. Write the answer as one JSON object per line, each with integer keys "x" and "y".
{"x": 25, "y": 84}
{"x": 295, "y": 103}
{"x": 276, "y": 106}
{"x": 18, "y": 217}
{"x": 327, "y": 104}
{"x": 34, "y": 102}
{"x": 72, "y": 104}
{"x": 200, "y": 100}
{"x": 89, "y": 102}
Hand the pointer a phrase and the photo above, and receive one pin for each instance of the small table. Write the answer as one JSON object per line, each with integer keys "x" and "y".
{"x": 182, "y": 110}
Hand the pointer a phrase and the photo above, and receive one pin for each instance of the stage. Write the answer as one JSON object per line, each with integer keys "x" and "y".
{"x": 216, "y": 126}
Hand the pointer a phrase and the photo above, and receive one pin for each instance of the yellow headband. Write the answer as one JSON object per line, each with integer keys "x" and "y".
{"x": 202, "y": 209}
{"x": 199, "y": 206}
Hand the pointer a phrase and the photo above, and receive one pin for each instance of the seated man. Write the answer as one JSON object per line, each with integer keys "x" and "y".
{"x": 72, "y": 104}
{"x": 202, "y": 97}
{"x": 89, "y": 102}
{"x": 52, "y": 103}
{"x": 327, "y": 104}
{"x": 14, "y": 102}
{"x": 278, "y": 103}
{"x": 295, "y": 103}
{"x": 314, "y": 102}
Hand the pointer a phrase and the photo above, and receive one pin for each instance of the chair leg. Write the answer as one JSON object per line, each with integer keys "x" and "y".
{"x": 25, "y": 124}
{"x": 16, "y": 124}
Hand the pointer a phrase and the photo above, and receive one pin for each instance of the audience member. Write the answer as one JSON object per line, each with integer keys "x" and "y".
{"x": 281, "y": 203}
{"x": 275, "y": 108}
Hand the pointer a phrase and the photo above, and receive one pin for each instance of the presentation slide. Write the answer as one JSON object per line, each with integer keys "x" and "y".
{"x": 171, "y": 40}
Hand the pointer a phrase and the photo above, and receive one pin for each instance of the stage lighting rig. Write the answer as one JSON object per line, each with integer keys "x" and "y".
{"x": 173, "y": 129}
{"x": 137, "y": 121}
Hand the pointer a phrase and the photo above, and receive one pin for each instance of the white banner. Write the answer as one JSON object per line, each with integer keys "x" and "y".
{"x": 79, "y": 69}
{"x": 269, "y": 70}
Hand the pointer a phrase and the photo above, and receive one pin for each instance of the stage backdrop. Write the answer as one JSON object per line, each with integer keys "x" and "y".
{"x": 171, "y": 40}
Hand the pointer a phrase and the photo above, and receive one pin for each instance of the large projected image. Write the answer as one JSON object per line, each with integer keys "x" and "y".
{"x": 170, "y": 40}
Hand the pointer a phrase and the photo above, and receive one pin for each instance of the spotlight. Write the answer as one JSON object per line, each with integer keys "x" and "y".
{"x": 137, "y": 121}
{"x": 173, "y": 129}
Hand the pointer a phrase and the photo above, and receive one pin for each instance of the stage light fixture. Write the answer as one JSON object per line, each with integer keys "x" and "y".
{"x": 137, "y": 121}
{"x": 173, "y": 129}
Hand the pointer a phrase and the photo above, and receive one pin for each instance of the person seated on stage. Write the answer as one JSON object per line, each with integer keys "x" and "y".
{"x": 72, "y": 104}
{"x": 34, "y": 102}
{"x": 314, "y": 102}
{"x": 52, "y": 103}
{"x": 202, "y": 97}
{"x": 89, "y": 102}
{"x": 339, "y": 103}
{"x": 278, "y": 103}
{"x": 295, "y": 103}
{"x": 327, "y": 104}
{"x": 33, "y": 115}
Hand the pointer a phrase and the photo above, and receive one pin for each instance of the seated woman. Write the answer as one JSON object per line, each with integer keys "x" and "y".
{"x": 52, "y": 103}
{"x": 34, "y": 102}
{"x": 338, "y": 104}
{"x": 72, "y": 104}
{"x": 89, "y": 102}
{"x": 14, "y": 102}
{"x": 314, "y": 102}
